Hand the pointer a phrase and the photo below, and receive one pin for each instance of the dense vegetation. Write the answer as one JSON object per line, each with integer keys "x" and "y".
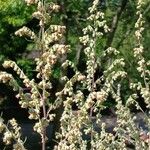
{"x": 96, "y": 58}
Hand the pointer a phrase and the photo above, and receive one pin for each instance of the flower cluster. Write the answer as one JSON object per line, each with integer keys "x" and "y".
{"x": 138, "y": 54}
{"x": 29, "y": 2}
{"x": 54, "y": 7}
{"x": 91, "y": 34}
{"x": 38, "y": 127}
{"x": 7, "y": 137}
{"x": 25, "y": 31}
{"x": 12, "y": 136}
{"x": 5, "y": 77}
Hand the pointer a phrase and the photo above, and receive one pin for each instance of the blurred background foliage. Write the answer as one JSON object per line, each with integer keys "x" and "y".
{"x": 120, "y": 15}
{"x": 13, "y": 15}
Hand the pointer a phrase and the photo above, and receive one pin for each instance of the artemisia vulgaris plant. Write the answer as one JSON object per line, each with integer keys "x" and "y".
{"x": 80, "y": 129}
{"x": 48, "y": 41}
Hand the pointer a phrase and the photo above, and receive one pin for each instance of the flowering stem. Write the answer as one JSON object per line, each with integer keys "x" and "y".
{"x": 43, "y": 94}
{"x": 44, "y": 128}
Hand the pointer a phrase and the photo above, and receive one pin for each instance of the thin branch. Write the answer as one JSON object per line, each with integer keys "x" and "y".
{"x": 115, "y": 23}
